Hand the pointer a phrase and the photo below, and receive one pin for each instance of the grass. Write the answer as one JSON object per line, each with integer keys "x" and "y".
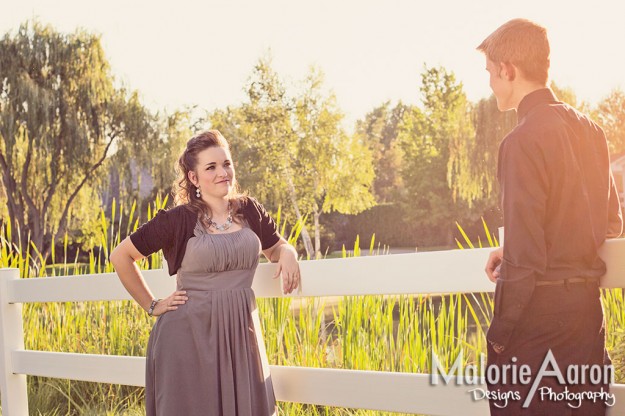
{"x": 385, "y": 333}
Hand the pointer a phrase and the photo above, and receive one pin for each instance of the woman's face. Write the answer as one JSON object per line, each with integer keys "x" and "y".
{"x": 214, "y": 173}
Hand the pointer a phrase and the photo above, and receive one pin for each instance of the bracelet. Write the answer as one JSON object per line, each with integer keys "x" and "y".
{"x": 152, "y": 305}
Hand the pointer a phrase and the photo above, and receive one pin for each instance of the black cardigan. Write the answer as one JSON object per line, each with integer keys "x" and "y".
{"x": 170, "y": 230}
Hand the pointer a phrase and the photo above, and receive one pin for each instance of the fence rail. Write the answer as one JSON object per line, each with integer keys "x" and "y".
{"x": 420, "y": 273}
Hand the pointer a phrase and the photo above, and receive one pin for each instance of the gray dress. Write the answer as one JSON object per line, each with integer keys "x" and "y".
{"x": 208, "y": 357}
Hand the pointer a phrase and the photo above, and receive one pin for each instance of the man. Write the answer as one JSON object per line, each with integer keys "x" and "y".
{"x": 559, "y": 204}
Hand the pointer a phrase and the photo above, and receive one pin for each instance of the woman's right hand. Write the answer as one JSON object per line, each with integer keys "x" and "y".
{"x": 170, "y": 303}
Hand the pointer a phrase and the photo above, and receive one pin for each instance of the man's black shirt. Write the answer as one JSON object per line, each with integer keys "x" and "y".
{"x": 559, "y": 203}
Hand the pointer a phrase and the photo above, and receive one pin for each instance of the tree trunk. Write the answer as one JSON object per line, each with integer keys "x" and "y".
{"x": 16, "y": 209}
{"x": 316, "y": 215}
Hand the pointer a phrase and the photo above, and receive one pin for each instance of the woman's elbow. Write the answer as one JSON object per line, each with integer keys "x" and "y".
{"x": 114, "y": 257}
{"x": 119, "y": 255}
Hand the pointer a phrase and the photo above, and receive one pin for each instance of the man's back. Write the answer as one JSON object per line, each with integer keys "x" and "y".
{"x": 557, "y": 193}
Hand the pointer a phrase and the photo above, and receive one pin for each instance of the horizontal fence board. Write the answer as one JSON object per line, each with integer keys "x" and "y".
{"x": 619, "y": 396}
{"x": 375, "y": 390}
{"x": 613, "y": 253}
{"x": 115, "y": 369}
{"x": 430, "y": 272}
{"x": 386, "y": 391}
{"x": 397, "y": 392}
{"x": 451, "y": 271}
{"x": 87, "y": 287}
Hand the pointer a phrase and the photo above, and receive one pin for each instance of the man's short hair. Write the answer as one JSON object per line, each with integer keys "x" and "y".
{"x": 523, "y": 44}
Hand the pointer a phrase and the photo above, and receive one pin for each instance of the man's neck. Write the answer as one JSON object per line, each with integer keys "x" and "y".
{"x": 522, "y": 89}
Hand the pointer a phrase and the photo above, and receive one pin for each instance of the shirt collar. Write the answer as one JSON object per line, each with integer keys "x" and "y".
{"x": 534, "y": 98}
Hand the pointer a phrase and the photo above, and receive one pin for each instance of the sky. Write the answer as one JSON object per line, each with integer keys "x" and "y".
{"x": 183, "y": 52}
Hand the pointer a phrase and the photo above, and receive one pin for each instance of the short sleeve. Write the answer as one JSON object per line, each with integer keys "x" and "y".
{"x": 269, "y": 234}
{"x": 154, "y": 235}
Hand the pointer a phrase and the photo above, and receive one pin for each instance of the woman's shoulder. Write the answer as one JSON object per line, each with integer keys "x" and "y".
{"x": 243, "y": 201}
{"x": 178, "y": 213}
{"x": 250, "y": 205}
{"x": 182, "y": 209}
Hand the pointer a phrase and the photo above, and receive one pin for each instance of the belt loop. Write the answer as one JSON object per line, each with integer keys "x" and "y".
{"x": 566, "y": 284}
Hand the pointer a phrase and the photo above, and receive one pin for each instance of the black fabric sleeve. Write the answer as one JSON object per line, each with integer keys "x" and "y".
{"x": 268, "y": 230}
{"x": 154, "y": 235}
{"x": 615, "y": 216}
{"x": 523, "y": 181}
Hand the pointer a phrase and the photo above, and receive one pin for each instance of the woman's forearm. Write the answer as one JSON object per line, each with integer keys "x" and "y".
{"x": 283, "y": 249}
{"x": 130, "y": 276}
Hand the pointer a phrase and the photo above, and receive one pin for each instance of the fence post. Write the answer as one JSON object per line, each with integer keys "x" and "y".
{"x": 13, "y": 390}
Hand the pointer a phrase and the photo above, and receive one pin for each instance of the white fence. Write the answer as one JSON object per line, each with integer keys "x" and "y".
{"x": 432, "y": 272}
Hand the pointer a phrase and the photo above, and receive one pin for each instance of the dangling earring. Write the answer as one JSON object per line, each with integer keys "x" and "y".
{"x": 197, "y": 192}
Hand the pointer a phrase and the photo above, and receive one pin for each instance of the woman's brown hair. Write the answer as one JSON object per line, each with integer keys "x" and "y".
{"x": 184, "y": 190}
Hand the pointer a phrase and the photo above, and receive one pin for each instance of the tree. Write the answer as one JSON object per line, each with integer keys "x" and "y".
{"x": 567, "y": 95}
{"x": 174, "y": 130}
{"x": 611, "y": 116}
{"x": 292, "y": 151}
{"x": 60, "y": 119}
{"x": 133, "y": 158}
{"x": 334, "y": 170}
{"x": 473, "y": 159}
{"x": 379, "y": 131}
{"x": 262, "y": 137}
{"x": 427, "y": 137}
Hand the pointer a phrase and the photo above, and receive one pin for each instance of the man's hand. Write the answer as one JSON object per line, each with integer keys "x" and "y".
{"x": 492, "y": 265}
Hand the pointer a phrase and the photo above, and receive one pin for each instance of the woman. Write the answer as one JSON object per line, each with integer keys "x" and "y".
{"x": 205, "y": 353}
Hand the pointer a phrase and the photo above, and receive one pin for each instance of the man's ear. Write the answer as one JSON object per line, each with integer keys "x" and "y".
{"x": 508, "y": 71}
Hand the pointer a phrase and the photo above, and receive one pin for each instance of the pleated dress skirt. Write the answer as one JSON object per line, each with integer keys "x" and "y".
{"x": 207, "y": 358}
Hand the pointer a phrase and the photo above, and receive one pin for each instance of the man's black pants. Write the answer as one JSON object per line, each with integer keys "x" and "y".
{"x": 568, "y": 320}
